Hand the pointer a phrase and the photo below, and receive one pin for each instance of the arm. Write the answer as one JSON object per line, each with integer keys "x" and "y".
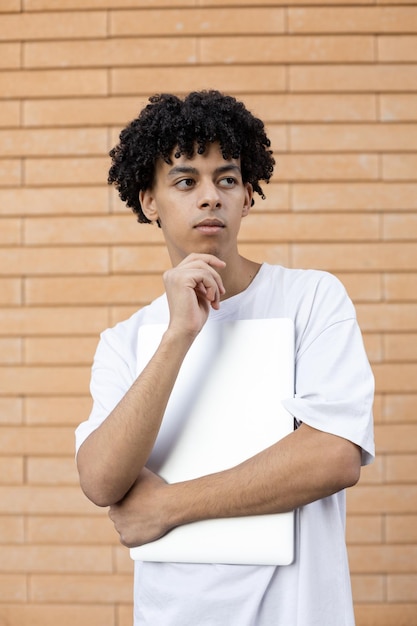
{"x": 112, "y": 457}
{"x": 305, "y": 466}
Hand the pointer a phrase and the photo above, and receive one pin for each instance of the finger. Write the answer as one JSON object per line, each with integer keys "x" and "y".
{"x": 210, "y": 259}
{"x": 209, "y": 289}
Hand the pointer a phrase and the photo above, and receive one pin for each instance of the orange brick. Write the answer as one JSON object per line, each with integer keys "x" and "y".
{"x": 399, "y": 166}
{"x": 10, "y": 54}
{"x": 286, "y": 49}
{"x": 398, "y": 107}
{"x": 87, "y": 291}
{"x": 138, "y": 258}
{"x": 11, "y": 470}
{"x": 268, "y": 2}
{"x": 66, "y": 171}
{"x": 83, "y": 24}
{"x": 56, "y": 320}
{"x": 353, "y": 137}
{"x": 401, "y": 528}
{"x": 366, "y": 529}
{"x": 52, "y": 614}
{"x": 10, "y": 231}
{"x": 174, "y": 79}
{"x": 119, "y": 313}
{"x": 316, "y": 167}
{"x": 10, "y": 173}
{"x": 45, "y": 500}
{"x": 82, "y": 588}
{"x": 10, "y": 349}
{"x": 124, "y": 615}
{"x": 397, "y": 49}
{"x": 52, "y": 471}
{"x": 378, "y": 408}
{"x": 64, "y": 5}
{"x": 40, "y": 380}
{"x": 198, "y": 21}
{"x": 313, "y": 107}
{"x": 37, "y": 440}
{"x": 68, "y": 82}
{"x": 361, "y": 286}
{"x": 28, "y": 261}
{"x": 373, "y": 346}
{"x": 118, "y": 52}
{"x": 381, "y": 499}
{"x": 384, "y": 614}
{"x": 388, "y": 317}
{"x": 402, "y": 588}
{"x": 11, "y": 411}
{"x": 65, "y": 410}
{"x": 368, "y": 588}
{"x": 397, "y": 226}
{"x": 49, "y": 529}
{"x": 396, "y": 377}
{"x": 399, "y": 408}
{"x": 83, "y": 111}
{"x": 401, "y": 287}
{"x": 373, "y": 474}
{"x": 34, "y": 201}
{"x": 400, "y": 347}
{"x": 346, "y": 78}
{"x": 13, "y": 588}
{"x": 293, "y": 227}
{"x": 277, "y": 195}
{"x": 396, "y": 438}
{"x": 268, "y": 253}
{"x": 123, "y": 562}
{"x": 356, "y": 256}
{"x": 380, "y": 559}
{"x": 9, "y": 113}
{"x": 107, "y": 229}
{"x": 10, "y": 290}
{"x": 402, "y": 468}
{"x": 45, "y": 142}
{"x": 10, "y": 5}
{"x": 352, "y": 19}
{"x": 56, "y": 558}
{"x": 12, "y": 529}
{"x": 59, "y": 350}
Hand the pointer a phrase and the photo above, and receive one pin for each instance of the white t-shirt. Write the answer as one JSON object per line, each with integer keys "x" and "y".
{"x": 333, "y": 393}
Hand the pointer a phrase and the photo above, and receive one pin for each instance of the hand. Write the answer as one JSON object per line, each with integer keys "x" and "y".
{"x": 192, "y": 287}
{"x": 137, "y": 518}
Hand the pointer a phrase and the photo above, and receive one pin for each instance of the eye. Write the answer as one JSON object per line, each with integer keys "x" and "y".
{"x": 185, "y": 183}
{"x": 228, "y": 181}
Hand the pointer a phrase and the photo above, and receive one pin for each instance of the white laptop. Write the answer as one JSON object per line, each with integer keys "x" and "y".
{"x": 225, "y": 407}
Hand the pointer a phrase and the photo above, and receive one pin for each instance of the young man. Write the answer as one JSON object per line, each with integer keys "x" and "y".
{"x": 192, "y": 166}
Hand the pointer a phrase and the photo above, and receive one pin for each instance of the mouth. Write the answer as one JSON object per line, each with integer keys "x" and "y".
{"x": 209, "y": 226}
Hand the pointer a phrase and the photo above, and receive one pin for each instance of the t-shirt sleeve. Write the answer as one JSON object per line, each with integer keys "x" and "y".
{"x": 111, "y": 376}
{"x": 334, "y": 384}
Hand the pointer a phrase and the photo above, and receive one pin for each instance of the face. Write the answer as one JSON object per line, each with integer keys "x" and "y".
{"x": 199, "y": 203}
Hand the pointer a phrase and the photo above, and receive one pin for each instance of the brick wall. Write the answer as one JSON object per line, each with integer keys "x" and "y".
{"x": 336, "y": 82}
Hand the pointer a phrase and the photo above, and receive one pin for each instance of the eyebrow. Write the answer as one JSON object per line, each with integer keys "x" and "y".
{"x": 188, "y": 169}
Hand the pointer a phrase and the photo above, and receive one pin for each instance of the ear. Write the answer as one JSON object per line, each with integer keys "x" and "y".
{"x": 248, "y": 199}
{"x": 148, "y": 204}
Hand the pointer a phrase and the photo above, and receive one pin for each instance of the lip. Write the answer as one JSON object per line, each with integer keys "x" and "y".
{"x": 209, "y": 226}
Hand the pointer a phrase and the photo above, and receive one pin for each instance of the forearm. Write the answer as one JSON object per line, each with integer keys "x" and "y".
{"x": 112, "y": 457}
{"x": 305, "y": 466}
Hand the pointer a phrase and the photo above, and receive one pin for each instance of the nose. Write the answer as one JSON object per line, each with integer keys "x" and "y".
{"x": 209, "y": 197}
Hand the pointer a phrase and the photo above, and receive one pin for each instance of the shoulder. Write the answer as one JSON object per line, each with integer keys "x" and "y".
{"x": 122, "y": 337}
{"x": 309, "y": 290}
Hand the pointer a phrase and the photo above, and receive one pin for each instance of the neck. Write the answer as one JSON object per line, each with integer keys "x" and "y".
{"x": 238, "y": 277}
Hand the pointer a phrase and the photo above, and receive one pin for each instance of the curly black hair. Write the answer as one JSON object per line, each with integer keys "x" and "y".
{"x": 186, "y": 126}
